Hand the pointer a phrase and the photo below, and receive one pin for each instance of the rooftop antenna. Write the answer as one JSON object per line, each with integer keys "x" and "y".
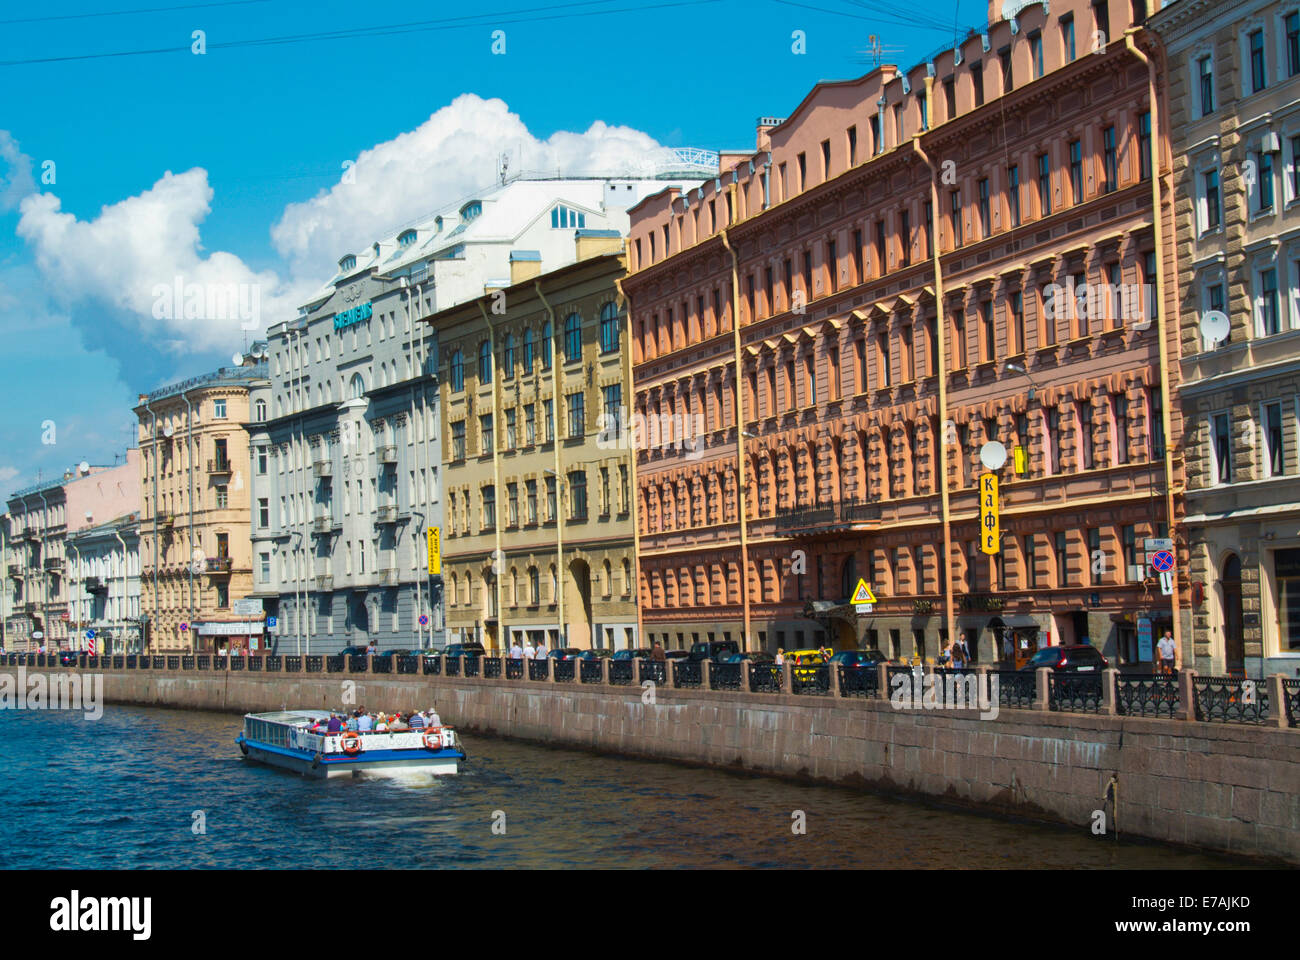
{"x": 876, "y": 51}
{"x": 503, "y": 165}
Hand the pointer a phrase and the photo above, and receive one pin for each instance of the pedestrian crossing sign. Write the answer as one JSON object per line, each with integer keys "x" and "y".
{"x": 862, "y": 593}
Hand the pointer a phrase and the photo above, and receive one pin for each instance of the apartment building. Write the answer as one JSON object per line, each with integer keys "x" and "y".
{"x": 194, "y": 511}
{"x": 1234, "y": 103}
{"x": 104, "y": 585}
{"x": 911, "y": 265}
{"x": 538, "y": 539}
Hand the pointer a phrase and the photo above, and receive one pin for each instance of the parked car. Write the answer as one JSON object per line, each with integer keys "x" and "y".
{"x": 472, "y": 649}
{"x": 715, "y": 650}
{"x": 859, "y": 658}
{"x": 803, "y": 662}
{"x": 353, "y": 652}
{"x": 1079, "y": 658}
{"x": 676, "y": 654}
{"x": 67, "y": 658}
{"x": 643, "y": 652}
{"x": 753, "y": 656}
{"x": 566, "y": 653}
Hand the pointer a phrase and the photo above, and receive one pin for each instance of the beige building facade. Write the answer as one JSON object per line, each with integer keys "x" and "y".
{"x": 1234, "y": 102}
{"x": 538, "y": 539}
{"x": 195, "y": 552}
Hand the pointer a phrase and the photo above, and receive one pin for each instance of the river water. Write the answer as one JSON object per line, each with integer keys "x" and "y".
{"x": 125, "y": 792}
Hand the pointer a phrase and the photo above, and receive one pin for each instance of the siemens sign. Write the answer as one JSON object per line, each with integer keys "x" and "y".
{"x": 355, "y": 315}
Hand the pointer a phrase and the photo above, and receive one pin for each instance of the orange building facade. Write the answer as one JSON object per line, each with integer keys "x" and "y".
{"x": 1023, "y": 160}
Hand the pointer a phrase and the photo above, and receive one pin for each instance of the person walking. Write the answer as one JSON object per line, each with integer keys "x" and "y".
{"x": 780, "y": 656}
{"x": 540, "y": 652}
{"x": 530, "y": 652}
{"x": 657, "y": 652}
{"x": 1166, "y": 648}
{"x": 516, "y": 651}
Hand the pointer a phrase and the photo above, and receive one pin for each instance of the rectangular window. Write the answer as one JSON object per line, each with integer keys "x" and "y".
{"x": 1095, "y": 558}
{"x": 833, "y": 265}
{"x": 1269, "y": 315}
{"x": 985, "y": 220}
{"x": 512, "y": 504}
{"x": 1018, "y": 323}
{"x": 853, "y": 146}
{"x": 1221, "y": 448}
{"x": 826, "y": 160}
{"x": 263, "y": 512}
{"x": 803, "y": 171}
{"x": 530, "y": 498}
{"x": 881, "y": 266}
{"x": 958, "y": 341}
{"x": 857, "y": 260}
{"x": 510, "y": 428}
{"x": 548, "y": 420}
{"x": 807, "y": 275}
{"x": 1067, "y": 37}
{"x": 1062, "y": 560}
{"x": 1004, "y": 57}
{"x": 1214, "y": 301}
{"x": 925, "y": 110}
{"x": 905, "y": 235}
{"x": 1274, "y": 441}
{"x": 1157, "y": 432}
{"x": 955, "y": 217}
{"x": 1054, "y": 439}
{"x": 530, "y": 424}
{"x": 1212, "y": 206}
{"x": 1265, "y": 187}
{"x": 550, "y": 500}
{"x": 907, "y": 355}
{"x": 1258, "y": 65}
{"x": 1119, "y": 404}
{"x": 950, "y": 96}
{"x": 1076, "y": 170}
{"x": 489, "y": 507}
{"x": 1205, "y": 73}
{"x": 1013, "y": 194}
{"x": 882, "y": 356}
{"x": 929, "y": 230}
{"x": 988, "y": 343}
{"x": 223, "y": 496}
{"x": 577, "y": 424}
{"x": 977, "y": 81}
{"x": 1295, "y": 168}
{"x": 578, "y": 495}
{"x": 1110, "y": 160}
{"x": 1144, "y": 145}
{"x": 1292, "y": 44}
{"x": 485, "y": 434}
{"x": 1086, "y": 450}
{"x": 1044, "y": 185}
{"x": 1286, "y": 570}
{"x": 1036, "y": 52}
{"x": 1031, "y": 561}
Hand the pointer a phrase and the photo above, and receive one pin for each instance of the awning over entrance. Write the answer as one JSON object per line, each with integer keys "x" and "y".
{"x": 1015, "y": 622}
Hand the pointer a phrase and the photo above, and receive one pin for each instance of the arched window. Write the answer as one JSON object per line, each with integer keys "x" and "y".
{"x": 608, "y": 328}
{"x": 452, "y": 594}
{"x": 572, "y": 338}
{"x": 848, "y": 577}
{"x": 547, "y": 342}
{"x": 508, "y": 361}
{"x": 358, "y": 387}
{"x": 528, "y": 351}
{"x": 406, "y": 238}
{"x": 471, "y": 210}
{"x": 456, "y": 370}
{"x": 259, "y": 410}
{"x": 484, "y": 363}
{"x": 348, "y": 262}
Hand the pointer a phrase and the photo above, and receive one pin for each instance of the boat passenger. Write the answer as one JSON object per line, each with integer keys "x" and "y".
{"x": 351, "y": 724}
{"x": 431, "y": 718}
{"x": 382, "y": 725}
{"x": 365, "y": 723}
{"x": 415, "y": 721}
{"x": 335, "y": 724}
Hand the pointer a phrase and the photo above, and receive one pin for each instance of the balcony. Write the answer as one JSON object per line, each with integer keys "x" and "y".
{"x": 218, "y": 564}
{"x": 15, "y": 571}
{"x": 325, "y": 582}
{"x": 164, "y": 519}
{"x": 31, "y": 606}
{"x": 321, "y": 524}
{"x": 387, "y": 514}
{"x": 94, "y": 585}
{"x": 841, "y": 513}
{"x": 31, "y": 534}
{"x": 388, "y": 578}
{"x": 323, "y": 468}
{"x": 387, "y": 454}
{"x": 53, "y": 563}
{"x": 219, "y": 466}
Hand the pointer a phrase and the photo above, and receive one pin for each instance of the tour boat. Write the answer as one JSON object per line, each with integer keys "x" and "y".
{"x": 282, "y": 739}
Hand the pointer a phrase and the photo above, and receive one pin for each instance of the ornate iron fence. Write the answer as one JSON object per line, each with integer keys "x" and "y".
{"x": 514, "y": 669}
{"x": 1074, "y": 692}
{"x": 433, "y": 666}
{"x": 469, "y": 666}
{"x": 538, "y": 670}
{"x": 408, "y": 664}
{"x": 187, "y": 662}
{"x": 335, "y": 663}
{"x": 202, "y": 662}
{"x": 313, "y": 662}
{"x": 1291, "y": 696}
{"x": 656, "y": 670}
{"x": 1147, "y": 696}
{"x": 119, "y": 661}
{"x": 357, "y": 663}
{"x": 1230, "y": 699}
{"x": 765, "y": 678}
{"x": 275, "y": 664}
{"x": 1016, "y": 688}
{"x": 130, "y": 661}
{"x": 957, "y": 689}
{"x": 724, "y": 676}
{"x": 255, "y": 663}
{"x": 620, "y": 673}
{"x": 382, "y": 663}
{"x": 687, "y": 673}
{"x": 564, "y": 671}
{"x": 159, "y": 663}
{"x": 814, "y": 680}
{"x": 236, "y": 663}
{"x": 292, "y": 662}
{"x": 590, "y": 671}
{"x": 859, "y": 682}
{"x": 451, "y": 667}
{"x": 492, "y": 668}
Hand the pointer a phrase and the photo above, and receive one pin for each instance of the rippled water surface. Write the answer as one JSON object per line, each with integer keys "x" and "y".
{"x": 121, "y": 793}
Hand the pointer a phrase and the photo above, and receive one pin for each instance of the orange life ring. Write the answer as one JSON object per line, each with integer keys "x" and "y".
{"x": 433, "y": 734}
{"x": 351, "y": 743}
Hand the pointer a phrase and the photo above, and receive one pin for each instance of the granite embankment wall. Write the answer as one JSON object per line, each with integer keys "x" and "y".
{"x": 1221, "y": 787}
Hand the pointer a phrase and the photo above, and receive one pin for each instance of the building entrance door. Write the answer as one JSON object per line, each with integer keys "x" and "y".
{"x": 1234, "y": 644}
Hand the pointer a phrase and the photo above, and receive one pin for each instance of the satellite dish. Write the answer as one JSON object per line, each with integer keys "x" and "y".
{"x": 84, "y": 467}
{"x": 238, "y": 359}
{"x": 168, "y": 431}
{"x": 993, "y": 454}
{"x": 1215, "y": 326}
{"x": 90, "y": 515}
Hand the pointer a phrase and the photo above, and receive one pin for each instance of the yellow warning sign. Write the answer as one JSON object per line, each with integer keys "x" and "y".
{"x": 990, "y": 532}
{"x": 435, "y": 552}
{"x": 862, "y": 593}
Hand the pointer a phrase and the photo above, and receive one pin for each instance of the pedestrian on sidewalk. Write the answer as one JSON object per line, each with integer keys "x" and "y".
{"x": 540, "y": 652}
{"x": 657, "y": 652}
{"x": 516, "y": 651}
{"x": 1166, "y": 648}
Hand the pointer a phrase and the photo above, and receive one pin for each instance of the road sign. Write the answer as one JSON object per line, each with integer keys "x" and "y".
{"x": 1021, "y": 459}
{"x": 862, "y": 593}
{"x": 271, "y": 622}
{"x": 424, "y": 621}
{"x": 90, "y": 646}
{"x": 90, "y": 634}
{"x": 990, "y": 529}
{"x": 1167, "y": 583}
{"x": 1162, "y": 561}
{"x": 435, "y": 552}
{"x": 1152, "y": 544}
{"x": 863, "y": 607}
{"x": 184, "y": 627}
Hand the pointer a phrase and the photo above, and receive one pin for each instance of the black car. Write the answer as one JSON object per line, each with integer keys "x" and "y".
{"x": 642, "y": 652}
{"x": 464, "y": 650}
{"x": 753, "y": 656}
{"x": 68, "y": 658}
{"x": 1079, "y": 658}
{"x": 715, "y": 650}
{"x": 677, "y": 654}
{"x": 353, "y": 651}
{"x": 859, "y": 658}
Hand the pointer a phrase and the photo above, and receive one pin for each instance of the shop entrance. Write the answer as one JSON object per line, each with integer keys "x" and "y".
{"x": 1234, "y": 644}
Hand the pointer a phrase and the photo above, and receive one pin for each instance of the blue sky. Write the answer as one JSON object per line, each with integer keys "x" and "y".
{"x": 256, "y": 135}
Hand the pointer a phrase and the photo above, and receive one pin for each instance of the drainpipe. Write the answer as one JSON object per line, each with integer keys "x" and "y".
{"x": 740, "y": 431}
{"x": 940, "y": 326}
{"x": 429, "y": 490}
{"x": 122, "y": 604}
{"x": 632, "y": 481}
{"x": 153, "y": 435}
{"x": 189, "y": 456}
{"x": 497, "y": 575}
{"x": 71, "y": 619}
{"x": 556, "y": 376}
{"x": 410, "y": 348}
{"x": 1157, "y": 219}
{"x": 45, "y": 582}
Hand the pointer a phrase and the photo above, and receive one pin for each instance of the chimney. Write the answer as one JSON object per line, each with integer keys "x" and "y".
{"x": 762, "y": 141}
{"x": 595, "y": 243}
{"x": 524, "y": 265}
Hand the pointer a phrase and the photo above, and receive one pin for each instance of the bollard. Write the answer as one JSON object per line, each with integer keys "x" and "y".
{"x": 370, "y": 663}
{"x": 604, "y": 671}
{"x": 1276, "y": 702}
{"x": 1187, "y": 694}
{"x": 785, "y": 677}
{"x": 833, "y": 678}
{"x": 744, "y": 676}
{"x": 1042, "y": 688}
{"x": 1109, "y": 706}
